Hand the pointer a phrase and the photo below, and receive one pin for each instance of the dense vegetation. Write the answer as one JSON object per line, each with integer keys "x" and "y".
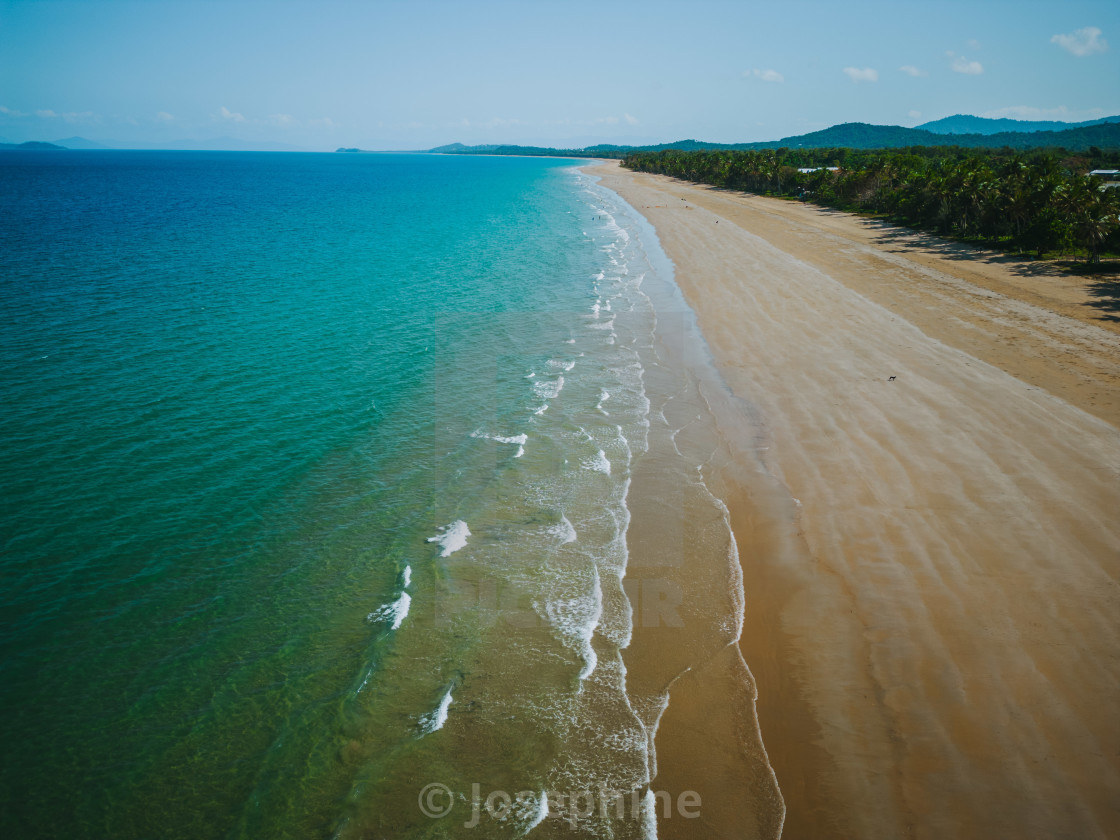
{"x": 1039, "y": 202}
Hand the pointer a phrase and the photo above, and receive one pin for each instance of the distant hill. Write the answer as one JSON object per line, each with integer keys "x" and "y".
{"x": 80, "y": 143}
{"x": 458, "y": 148}
{"x": 530, "y": 151}
{"x": 864, "y": 136}
{"x": 1103, "y": 134}
{"x": 858, "y": 136}
{"x": 216, "y": 144}
{"x": 599, "y": 150}
{"x": 33, "y": 144}
{"x": 966, "y": 124}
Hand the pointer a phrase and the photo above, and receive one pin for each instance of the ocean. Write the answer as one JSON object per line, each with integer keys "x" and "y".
{"x": 317, "y": 513}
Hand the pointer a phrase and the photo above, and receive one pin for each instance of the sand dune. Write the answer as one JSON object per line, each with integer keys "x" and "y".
{"x": 936, "y": 640}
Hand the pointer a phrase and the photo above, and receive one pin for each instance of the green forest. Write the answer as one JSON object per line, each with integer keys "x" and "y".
{"x": 1039, "y": 202}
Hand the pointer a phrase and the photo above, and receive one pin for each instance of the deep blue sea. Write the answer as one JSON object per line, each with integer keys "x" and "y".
{"x": 315, "y": 474}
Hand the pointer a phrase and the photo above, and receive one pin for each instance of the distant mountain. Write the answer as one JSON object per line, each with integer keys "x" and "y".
{"x": 858, "y": 136}
{"x": 1102, "y": 134}
{"x": 354, "y": 150}
{"x": 215, "y": 144}
{"x": 459, "y": 148}
{"x": 864, "y": 136}
{"x": 33, "y": 144}
{"x": 599, "y": 150}
{"x": 80, "y": 143}
{"x": 966, "y": 124}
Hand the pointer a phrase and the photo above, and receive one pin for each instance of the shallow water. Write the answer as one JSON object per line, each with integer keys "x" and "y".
{"x": 317, "y": 474}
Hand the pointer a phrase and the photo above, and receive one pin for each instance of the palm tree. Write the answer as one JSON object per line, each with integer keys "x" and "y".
{"x": 1094, "y": 215}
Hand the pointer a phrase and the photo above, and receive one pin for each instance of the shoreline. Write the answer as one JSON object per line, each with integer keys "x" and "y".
{"x": 685, "y": 675}
{"x": 934, "y": 641}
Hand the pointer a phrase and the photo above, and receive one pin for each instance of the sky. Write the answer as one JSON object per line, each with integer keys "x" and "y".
{"x": 414, "y": 75}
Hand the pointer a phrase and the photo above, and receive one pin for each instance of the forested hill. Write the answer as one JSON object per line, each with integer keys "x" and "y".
{"x": 1104, "y": 135}
{"x": 599, "y": 150}
{"x": 865, "y": 136}
{"x": 967, "y": 124}
{"x": 32, "y": 144}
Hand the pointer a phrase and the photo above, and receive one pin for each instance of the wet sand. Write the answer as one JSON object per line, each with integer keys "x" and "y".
{"x": 930, "y": 561}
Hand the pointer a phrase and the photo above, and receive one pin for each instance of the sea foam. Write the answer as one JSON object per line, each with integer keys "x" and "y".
{"x": 548, "y": 389}
{"x": 451, "y": 537}
{"x": 395, "y": 612}
{"x": 520, "y": 440}
{"x": 649, "y": 816}
{"x": 604, "y": 395}
{"x": 437, "y": 718}
{"x": 599, "y": 463}
{"x": 537, "y": 814}
{"x": 564, "y": 531}
{"x": 576, "y": 619}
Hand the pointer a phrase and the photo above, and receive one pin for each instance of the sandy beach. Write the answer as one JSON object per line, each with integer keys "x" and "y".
{"x": 927, "y": 518}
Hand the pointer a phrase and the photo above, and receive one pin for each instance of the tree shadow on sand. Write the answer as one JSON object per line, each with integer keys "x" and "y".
{"x": 1102, "y": 279}
{"x": 908, "y": 239}
{"x": 1103, "y": 286}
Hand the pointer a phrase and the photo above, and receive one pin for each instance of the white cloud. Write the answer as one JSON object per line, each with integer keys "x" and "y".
{"x": 226, "y": 114}
{"x": 867, "y": 74}
{"x": 68, "y": 116}
{"x": 11, "y": 113}
{"x": 911, "y": 70}
{"x": 973, "y": 44}
{"x": 765, "y": 75}
{"x": 1082, "y": 42}
{"x": 163, "y": 116}
{"x": 327, "y": 122}
{"x": 281, "y": 120}
{"x": 914, "y": 115}
{"x": 629, "y": 119}
{"x": 960, "y": 64}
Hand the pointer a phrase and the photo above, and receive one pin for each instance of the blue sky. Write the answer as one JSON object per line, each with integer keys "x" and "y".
{"x": 394, "y": 75}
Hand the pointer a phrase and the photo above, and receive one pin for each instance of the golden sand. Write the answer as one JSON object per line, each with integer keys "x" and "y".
{"x": 936, "y": 639}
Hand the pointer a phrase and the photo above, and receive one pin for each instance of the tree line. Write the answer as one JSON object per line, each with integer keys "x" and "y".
{"x": 1040, "y": 202}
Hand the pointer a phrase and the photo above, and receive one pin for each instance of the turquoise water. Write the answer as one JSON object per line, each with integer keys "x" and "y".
{"x": 315, "y": 481}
